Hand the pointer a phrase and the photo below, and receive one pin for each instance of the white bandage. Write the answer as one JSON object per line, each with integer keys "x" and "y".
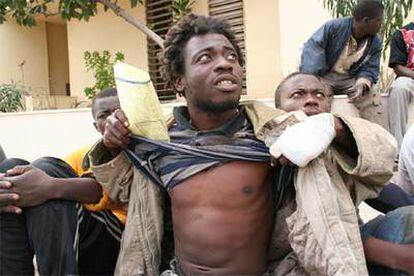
{"x": 304, "y": 141}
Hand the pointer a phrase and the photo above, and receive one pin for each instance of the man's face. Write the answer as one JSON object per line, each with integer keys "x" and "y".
{"x": 103, "y": 107}
{"x": 306, "y": 93}
{"x": 213, "y": 76}
{"x": 373, "y": 25}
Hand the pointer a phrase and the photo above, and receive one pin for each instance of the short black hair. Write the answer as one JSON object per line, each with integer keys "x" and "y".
{"x": 107, "y": 92}
{"x": 292, "y": 75}
{"x": 178, "y": 35}
{"x": 367, "y": 8}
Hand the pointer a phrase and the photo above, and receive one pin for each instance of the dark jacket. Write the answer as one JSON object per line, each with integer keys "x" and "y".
{"x": 322, "y": 50}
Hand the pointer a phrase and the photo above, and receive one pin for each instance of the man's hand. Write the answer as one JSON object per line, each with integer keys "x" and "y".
{"x": 116, "y": 135}
{"x": 360, "y": 88}
{"x": 304, "y": 141}
{"x": 30, "y": 184}
{"x": 8, "y": 199}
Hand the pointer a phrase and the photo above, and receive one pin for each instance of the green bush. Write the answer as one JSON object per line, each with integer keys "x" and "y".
{"x": 102, "y": 68}
{"x": 11, "y": 97}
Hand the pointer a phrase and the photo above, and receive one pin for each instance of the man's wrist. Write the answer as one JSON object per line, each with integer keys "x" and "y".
{"x": 55, "y": 189}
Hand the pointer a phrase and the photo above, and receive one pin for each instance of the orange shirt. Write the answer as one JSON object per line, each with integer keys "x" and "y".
{"x": 75, "y": 161}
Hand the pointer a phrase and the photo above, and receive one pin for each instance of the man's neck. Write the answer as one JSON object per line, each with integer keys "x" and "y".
{"x": 207, "y": 121}
{"x": 357, "y": 33}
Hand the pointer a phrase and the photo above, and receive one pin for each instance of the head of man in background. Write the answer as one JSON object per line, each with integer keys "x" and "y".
{"x": 104, "y": 104}
{"x": 306, "y": 92}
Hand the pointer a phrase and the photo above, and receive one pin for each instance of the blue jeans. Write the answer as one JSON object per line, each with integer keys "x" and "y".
{"x": 396, "y": 226}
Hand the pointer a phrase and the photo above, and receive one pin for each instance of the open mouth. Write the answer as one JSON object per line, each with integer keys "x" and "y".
{"x": 226, "y": 85}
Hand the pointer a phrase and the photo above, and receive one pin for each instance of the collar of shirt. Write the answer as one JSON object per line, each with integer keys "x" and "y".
{"x": 182, "y": 119}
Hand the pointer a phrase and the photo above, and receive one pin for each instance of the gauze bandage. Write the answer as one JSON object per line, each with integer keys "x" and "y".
{"x": 304, "y": 141}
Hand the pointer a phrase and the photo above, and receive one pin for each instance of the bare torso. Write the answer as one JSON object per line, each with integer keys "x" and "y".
{"x": 223, "y": 220}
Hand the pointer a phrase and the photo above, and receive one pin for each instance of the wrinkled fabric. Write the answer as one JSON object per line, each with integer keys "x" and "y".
{"x": 295, "y": 234}
{"x": 321, "y": 223}
{"x": 190, "y": 151}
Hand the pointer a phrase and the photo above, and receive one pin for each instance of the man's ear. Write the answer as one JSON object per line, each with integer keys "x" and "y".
{"x": 180, "y": 84}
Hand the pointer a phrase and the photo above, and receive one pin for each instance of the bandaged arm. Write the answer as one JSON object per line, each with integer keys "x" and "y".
{"x": 372, "y": 167}
{"x": 306, "y": 140}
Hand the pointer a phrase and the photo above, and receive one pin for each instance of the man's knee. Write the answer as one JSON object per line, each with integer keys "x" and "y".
{"x": 55, "y": 167}
{"x": 52, "y": 212}
{"x": 401, "y": 85}
{"x": 10, "y": 163}
{"x": 397, "y": 226}
{"x": 403, "y": 214}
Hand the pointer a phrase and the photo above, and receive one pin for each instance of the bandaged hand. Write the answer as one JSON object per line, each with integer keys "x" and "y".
{"x": 306, "y": 140}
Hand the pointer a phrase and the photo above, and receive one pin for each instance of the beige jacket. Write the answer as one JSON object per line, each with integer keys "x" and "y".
{"x": 316, "y": 234}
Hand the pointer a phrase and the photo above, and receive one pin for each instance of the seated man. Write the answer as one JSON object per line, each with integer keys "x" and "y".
{"x": 405, "y": 177}
{"x": 217, "y": 174}
{"x": 40, "y": 214}
{"x": 346, "y": 53}
{"x": 388, "y": 240}
{"x": 401, "y": 91}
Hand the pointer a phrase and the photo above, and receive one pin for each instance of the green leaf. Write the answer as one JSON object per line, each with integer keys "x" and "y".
{"x": 102, "y": 68}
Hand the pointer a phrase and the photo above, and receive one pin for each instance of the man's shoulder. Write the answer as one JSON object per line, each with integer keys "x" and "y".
{"x": 376, "y": 41}
{"x": 398, "y": 34}
{"x": 257, "y": 105}
{"x": 408, "y": 27}
{"x": 339, "y": 22}
{"x": 259, "y": 113}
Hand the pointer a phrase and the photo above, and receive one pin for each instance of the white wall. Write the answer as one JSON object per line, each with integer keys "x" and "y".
{"x": 30, "y": 135}
{"x": 21, "y": 44}
{"x": 104, "y": 31}
{"x": 54, "y": 133}
{"x": 262, "y": 37}
{"x": 299, "y": 19}
{"x": 57, "y": 46}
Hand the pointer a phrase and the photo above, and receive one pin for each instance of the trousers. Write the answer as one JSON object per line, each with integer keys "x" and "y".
{"x": 65, "y": 238}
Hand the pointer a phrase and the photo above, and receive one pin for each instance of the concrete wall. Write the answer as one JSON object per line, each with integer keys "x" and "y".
{"x": 54, "y": 133}
{"x": 200, "y": 7}
{"x": 262, "y": 37}
{"x": 19, "y": 44}
{"x": 104, "y": 32}
{"x": 57, "y": 48}
{"x": 298, "y": 21}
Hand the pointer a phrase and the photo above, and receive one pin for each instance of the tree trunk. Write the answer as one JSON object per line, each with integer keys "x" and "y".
{"x": 132, "y": 20}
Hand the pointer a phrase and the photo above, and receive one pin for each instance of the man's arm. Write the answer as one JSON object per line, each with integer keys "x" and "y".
{"x": 32, "y": 186}
{"x": 313, "y": 58}
{"x": 391, "y": 255}
{"x": 372, "y": 167}
{"x": 402, "y": 71}
{"x": 399, "y": 56}
{"x": 344, "y": 138}
{"x": 370, "y": 68}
